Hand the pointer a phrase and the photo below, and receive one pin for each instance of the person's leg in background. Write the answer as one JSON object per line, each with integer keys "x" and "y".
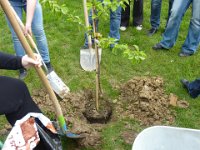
{"x": 125, "y": 17}
{"x": 171, "y": 32}
{"x": 169, "y": 8}
{"x": 169, "y": 11}
{"x": 138, "y": 14}
{"x": 15, "y": 99}
{"x": 192, "y": 41}
{"x": 155, "y": 16}
{"x": 39, "y": 33}
{"x": 193, "y": 87}
{"x": 85, "y": 46}
{"x": 19, "y": 50}
{"x": 115, "y": 19}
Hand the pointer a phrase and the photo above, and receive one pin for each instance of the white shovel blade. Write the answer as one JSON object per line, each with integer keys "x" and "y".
{"x": 57, "y": 84}
{"x": 88, "y": 59}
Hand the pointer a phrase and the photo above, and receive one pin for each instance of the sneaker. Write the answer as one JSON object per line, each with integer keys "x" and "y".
{"x": 123, "y": 28}
{"x": 183, "y": 54}
{"x": 152, "y": 31}
{"x": 139, "y": 27}
{"x": 22, "y": 74}
{"x": 185, "y": 83}
{"x": 158, "y": 46}
{"x": 49, "y": 67}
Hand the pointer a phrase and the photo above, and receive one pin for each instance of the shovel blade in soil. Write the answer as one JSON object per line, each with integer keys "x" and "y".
{"x": 74, "y": 136}
{"x": 88, "y": 59}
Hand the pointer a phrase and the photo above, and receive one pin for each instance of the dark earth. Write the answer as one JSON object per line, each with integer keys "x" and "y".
{"x": 141, "y": 98}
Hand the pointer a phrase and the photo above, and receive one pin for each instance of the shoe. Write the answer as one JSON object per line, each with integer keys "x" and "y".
{"x": 22, "y": 74}
{"x": 185, "y": 83}
{"x": 139, "y": 27}
{"x": 183, "y": 54}
{"x": 85, "y": 47}
{"x": 49, "y": 67}
{"x": 123, "y": 28}
{"x": 158, "y": 46}
{"x": 152, "y": 31}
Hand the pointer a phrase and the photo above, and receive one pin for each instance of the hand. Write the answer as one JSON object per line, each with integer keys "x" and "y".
{"x": 28, "y": 62}
{"x": 27, "y": 29}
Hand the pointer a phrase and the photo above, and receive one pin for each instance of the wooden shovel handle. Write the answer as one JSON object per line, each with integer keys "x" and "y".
{"x": 87, "y": 23}
{"x": 11, "y": 17}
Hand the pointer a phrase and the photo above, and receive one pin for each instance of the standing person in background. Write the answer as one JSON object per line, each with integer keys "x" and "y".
{"x": 115, "y": 19}
{"x": 34, "y": 22}
{"x": 137, "y": 15}
{"x": 171, "y": 32}
{"x": 155, "y": 15}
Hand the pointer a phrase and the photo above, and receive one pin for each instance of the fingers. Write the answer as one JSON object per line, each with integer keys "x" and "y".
{"x": 38, "y": 59}
{"x": 30, "y": 32}
{"x": 27, "y": 30}
{"x": 27, "y": 61}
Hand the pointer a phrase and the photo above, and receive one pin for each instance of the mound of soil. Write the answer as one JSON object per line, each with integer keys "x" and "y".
{"x": 143, "y": 99}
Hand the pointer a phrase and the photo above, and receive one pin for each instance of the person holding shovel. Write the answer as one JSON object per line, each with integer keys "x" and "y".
{"x": 34, "y": 22}
{"x": 15, "y": 99}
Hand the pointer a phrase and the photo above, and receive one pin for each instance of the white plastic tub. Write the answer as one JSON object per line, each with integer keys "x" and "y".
{"x": 167, "y": 138}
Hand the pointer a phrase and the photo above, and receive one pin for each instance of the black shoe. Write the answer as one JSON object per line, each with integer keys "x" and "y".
{"x": 49, "y": 67}
{"x": 22, "y": 74}
{"x": 185, "y": 83}
{"x": 84, "y": 47}
{"x": 158, "y": 46}
{"x": 183, "y": 54}
{"x": 152, "y": 31}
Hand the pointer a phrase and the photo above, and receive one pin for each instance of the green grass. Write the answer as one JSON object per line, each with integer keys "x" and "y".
{"x": 65, "y": 40}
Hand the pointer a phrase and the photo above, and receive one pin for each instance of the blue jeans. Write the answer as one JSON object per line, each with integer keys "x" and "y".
{"x": 115, "y": 20}
{"x": 37, "y": 29}
{"x": 194, "y": 88}
{"x": 156, "y": 11}
{"x": 170, "y": 35}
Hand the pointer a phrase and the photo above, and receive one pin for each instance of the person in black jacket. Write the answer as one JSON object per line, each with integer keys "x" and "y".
{"x": 15, "y": 99}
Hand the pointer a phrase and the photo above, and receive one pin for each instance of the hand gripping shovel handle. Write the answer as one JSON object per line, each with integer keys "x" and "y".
{"x": 28, "y": 36}
{"x": 8, "y": 11}
{"x": 87, "y": 23}
{"x": 56, "y": 83}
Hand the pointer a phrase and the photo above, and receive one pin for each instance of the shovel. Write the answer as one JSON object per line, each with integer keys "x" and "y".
{"x": 8, "y": 11}
{"x": 87, "y": 56}
{"x": 56, "y": 83}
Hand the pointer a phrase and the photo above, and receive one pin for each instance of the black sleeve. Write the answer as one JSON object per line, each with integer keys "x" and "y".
{"x": 10, "y": 62}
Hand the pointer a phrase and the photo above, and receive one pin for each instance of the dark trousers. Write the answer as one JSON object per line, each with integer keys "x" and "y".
{"x": 137, "y": 13}
{"x": 15, "y": 99}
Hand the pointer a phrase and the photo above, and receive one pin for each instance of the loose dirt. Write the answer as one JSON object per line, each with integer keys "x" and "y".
{"x": 141, "y": 98}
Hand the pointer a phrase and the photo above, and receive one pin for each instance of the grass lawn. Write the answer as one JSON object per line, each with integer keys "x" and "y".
{"x": 65, "y": 40}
